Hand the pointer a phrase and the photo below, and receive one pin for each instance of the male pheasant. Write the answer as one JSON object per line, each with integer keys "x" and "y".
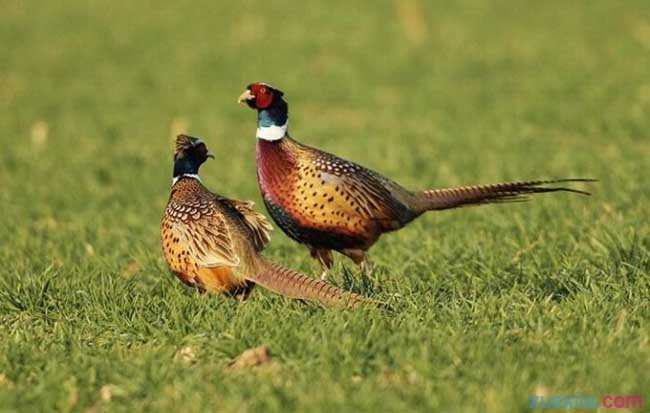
{"x": 214, "y": 243}
{"x": 328, "y": 203}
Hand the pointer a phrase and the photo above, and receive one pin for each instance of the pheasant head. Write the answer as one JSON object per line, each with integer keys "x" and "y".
{"x": 272, "y": 110}
{"x": 261, "y": 96}
{"x": 189, "y": 155}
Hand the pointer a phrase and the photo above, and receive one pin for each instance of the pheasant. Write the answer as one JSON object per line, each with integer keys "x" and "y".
{"x": 330, "y": 204}
{"x": 213, "y": 243}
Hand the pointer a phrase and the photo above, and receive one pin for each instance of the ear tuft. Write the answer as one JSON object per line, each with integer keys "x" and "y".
{"x": 184, "y": 142}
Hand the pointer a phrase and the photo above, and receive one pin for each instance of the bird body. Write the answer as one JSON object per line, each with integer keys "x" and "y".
{"x": 325, "y": 202}
{"x": 214, "y": 243}
{"x": 211, "y": 242}
{"x": 328, "y": 203}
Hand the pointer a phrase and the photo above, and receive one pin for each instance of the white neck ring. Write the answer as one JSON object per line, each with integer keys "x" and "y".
{"x": 271, "y": 133}
{"x": 193, "y": 176}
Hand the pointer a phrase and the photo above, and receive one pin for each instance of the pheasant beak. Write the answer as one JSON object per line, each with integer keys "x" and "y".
{"x": 209, "y": 155}
{"x": 246, "y": 96}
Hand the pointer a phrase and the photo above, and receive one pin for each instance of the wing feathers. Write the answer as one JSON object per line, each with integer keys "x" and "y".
{"x": 256, "y": 222}
{"x": 207, "y": 240}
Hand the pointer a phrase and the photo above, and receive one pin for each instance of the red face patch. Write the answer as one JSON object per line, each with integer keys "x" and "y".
{"x": 263, "y": 96}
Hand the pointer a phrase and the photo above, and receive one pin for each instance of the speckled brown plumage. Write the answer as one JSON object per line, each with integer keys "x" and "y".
{"x": 325, "y": 202}
{"x": 200, "y": 233}
{"x": 328, "y": 203}
{"x": 214, "y": 243}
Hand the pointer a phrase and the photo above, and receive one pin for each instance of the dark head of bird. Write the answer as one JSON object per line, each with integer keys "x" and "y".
{"x": 190, "y": 153}
{"x": 268, "y": 101}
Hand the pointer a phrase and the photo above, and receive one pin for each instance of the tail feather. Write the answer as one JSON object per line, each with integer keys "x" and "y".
{"x": 446, "y": 198}
{"x": 293, "y": 284}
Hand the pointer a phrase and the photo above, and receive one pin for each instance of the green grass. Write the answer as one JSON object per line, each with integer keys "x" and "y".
{"x": 493, "y": 304}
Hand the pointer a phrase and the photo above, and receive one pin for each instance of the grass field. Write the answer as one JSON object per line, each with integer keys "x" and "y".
{"x": 492, "y": 304}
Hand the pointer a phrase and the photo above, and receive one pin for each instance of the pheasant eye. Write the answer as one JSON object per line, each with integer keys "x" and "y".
{"x": 263, "y": 97}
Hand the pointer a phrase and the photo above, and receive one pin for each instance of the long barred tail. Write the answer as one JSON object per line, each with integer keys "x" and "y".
{"x": 438, "y": 199}
{"x": 293, "y": 284}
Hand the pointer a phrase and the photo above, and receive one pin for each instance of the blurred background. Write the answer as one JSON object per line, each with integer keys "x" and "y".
{"x": 93, "y": 92}
{"x": 432, "y": 94}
